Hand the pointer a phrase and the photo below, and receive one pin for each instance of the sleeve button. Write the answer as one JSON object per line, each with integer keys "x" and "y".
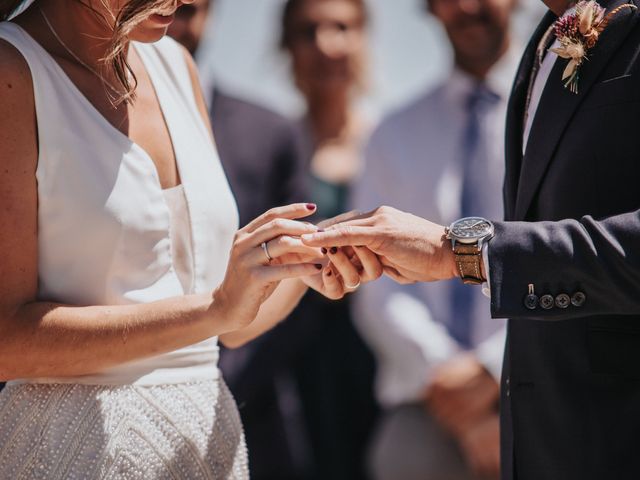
{"x": 578, "y": 299}
{"x": 531, "y": 301}
{"x": 563, "y": 300}
{"x": 546, "y": 301}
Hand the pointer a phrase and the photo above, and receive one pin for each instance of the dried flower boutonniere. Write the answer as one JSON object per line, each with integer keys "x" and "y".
{"x": 578, "y": 31}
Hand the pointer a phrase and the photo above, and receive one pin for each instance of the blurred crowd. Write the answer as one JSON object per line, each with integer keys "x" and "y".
{"x": 394, "y": 382}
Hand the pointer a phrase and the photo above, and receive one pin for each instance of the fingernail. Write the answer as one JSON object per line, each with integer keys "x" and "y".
{"x": 334, "y": 250}
{"x": 323, "y": 250}
{"x": 318, "y": 266}
{"x": 311, "y": 206}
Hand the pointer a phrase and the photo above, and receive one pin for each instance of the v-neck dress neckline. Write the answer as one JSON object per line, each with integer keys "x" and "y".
{"x": 100, "y": 118}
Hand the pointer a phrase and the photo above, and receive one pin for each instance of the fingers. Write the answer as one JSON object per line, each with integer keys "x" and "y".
{"x": 293, "y": 211}
{"x": 345, "y": 268}
{"x": 340, "y": 236}
{"x": 344, "y": 217}
{"x": 371, "y": 266}
{"x": 333, "y": 287}
{"x": 276, "y": 228}
{"x": 284, "y": 249}
{"x": 276, "y": 273}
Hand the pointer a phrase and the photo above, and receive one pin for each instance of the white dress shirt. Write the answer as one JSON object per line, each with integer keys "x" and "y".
{"x": 413, "y": 163}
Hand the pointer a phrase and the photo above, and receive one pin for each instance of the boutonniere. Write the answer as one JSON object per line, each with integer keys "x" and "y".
{"x": 578, "y": 31}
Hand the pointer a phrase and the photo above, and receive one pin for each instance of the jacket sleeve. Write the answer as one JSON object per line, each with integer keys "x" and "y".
{"x": 599, "y": 259}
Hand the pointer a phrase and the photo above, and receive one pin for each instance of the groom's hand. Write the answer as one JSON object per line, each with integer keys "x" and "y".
{"x": 410, "y": 248}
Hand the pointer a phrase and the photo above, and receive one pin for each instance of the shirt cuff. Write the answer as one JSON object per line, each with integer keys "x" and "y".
{"x": 486, "y": 286}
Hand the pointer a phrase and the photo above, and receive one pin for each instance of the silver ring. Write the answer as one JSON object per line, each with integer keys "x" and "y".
{"x": 352, "y": 287}
{"x": 265, "y": 249}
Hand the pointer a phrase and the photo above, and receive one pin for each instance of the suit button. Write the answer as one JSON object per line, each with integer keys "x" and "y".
{"x": 563, "y": 300}
{"x": 578, "y": 299}
{"x": 531, "y": 301}
{"x": 546, "y": 301}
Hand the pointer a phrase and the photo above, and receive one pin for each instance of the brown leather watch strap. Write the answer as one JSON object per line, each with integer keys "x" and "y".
{"x": 468, "y": 259}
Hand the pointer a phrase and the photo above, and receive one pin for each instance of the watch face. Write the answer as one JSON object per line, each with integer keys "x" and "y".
{"x": 471, "y": 229}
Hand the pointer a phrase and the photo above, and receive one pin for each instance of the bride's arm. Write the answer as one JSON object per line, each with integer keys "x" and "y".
{"x": 49, "y": 339}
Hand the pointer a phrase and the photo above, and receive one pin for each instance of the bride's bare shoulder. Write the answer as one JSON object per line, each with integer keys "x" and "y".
{"x": 13, "y": 63}
{"x": 18, "y": 131}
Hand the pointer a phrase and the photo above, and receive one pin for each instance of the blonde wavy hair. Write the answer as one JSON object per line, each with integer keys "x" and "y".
{"x": 131, "y": 14}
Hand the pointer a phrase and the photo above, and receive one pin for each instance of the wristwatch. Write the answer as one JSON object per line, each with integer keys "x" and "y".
{"x": 467, "y": 236}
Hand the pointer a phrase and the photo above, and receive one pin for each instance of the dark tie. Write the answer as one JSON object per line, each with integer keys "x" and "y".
{"x": 475, "y": 197}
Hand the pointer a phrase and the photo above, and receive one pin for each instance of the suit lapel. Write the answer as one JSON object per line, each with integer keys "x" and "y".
{"x": 515, "y": 115}
{"x": 558, "y": 105}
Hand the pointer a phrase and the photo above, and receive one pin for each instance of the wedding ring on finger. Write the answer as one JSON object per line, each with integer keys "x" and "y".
{"x": 352, "y": 287}
{"x": 265, "y": 249}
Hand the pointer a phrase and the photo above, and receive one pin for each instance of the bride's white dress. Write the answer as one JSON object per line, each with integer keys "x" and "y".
{"x": 109, "y": 235}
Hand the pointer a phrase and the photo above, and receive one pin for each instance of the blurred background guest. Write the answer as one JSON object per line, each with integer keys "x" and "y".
{"x": 441, "y": 157}
{"x": 327, "y": 44}
{"x": 326, "y": 40}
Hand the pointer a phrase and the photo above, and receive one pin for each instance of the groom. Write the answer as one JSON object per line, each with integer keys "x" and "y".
{"x": 565, "y": 266}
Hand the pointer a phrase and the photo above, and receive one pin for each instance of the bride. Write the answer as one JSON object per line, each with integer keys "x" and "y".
{"x": 120, "y": 264}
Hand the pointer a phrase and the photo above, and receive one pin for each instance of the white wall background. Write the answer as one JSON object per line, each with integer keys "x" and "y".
{"x": 408, "y": 51}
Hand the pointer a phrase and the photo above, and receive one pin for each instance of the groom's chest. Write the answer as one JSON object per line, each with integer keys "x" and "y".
{"x": 582, "y": 156}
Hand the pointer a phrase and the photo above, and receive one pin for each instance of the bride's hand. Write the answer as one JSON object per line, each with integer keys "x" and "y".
{"x": 265, "y": 252}
{"x": 347, "y": 269}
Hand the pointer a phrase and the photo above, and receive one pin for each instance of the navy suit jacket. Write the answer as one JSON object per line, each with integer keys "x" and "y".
{"x": 571, "y": 386}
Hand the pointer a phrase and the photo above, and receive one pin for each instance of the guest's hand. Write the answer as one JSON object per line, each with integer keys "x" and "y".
{"x": 462, "y": 392}
{"x": 265, "y": 252}
{"x": 410, "y": 248}
{"x": 481, "y": 447}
